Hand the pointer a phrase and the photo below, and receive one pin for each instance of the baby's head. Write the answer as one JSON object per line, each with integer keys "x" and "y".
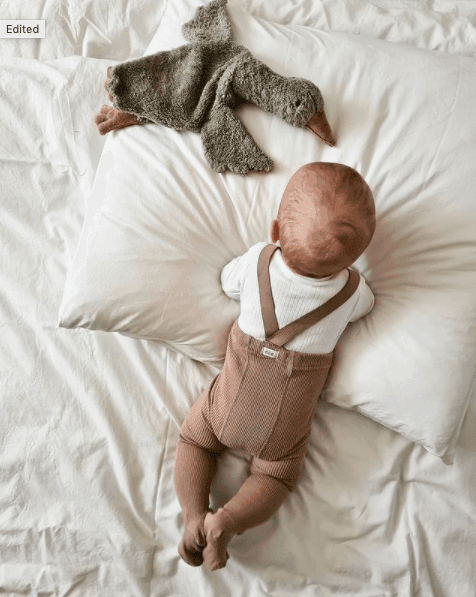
{"x": 326, "y": 219}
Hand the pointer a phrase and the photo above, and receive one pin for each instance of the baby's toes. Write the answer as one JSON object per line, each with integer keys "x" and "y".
{"x": 215, "y": 555}
{"x": 193, "y": 542}
{"x": 190, "y": 554}
{"x": 213, "y": 559}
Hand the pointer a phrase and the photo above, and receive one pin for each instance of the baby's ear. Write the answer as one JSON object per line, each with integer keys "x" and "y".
{"x": 210, "y": 23}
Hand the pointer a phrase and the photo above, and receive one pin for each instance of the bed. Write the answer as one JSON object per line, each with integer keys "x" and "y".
{"x": 113, "y": 321}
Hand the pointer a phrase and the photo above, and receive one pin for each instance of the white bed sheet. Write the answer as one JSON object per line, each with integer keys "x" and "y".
{"x": 87, "y": 504}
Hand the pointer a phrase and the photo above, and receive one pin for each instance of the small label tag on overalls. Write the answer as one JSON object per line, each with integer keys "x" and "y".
{"x": 269, "y": 352}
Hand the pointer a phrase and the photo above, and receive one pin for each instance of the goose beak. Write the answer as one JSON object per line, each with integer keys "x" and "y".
{"x": 320, "y": 127}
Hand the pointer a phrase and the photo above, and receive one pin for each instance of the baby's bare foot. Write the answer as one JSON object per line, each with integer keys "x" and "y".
{"x": 218, "y": 535}
{"x": 193, "y": 542}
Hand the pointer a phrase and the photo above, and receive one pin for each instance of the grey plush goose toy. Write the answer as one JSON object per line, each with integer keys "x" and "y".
{"x": 197, "y": 86}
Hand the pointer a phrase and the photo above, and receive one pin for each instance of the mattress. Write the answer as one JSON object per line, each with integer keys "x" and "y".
{"x": 90, "y": 416}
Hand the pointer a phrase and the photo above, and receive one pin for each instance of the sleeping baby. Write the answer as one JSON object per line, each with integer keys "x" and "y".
{"x": 296, "y": 300}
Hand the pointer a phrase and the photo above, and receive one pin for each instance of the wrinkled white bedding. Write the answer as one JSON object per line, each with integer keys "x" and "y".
{"x": 87, "y": 504}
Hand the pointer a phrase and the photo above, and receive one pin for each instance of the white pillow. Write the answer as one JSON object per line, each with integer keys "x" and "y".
{"x": 161, "y": 223}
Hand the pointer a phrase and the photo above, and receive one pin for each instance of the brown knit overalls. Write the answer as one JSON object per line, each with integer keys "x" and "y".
{"x": 264, "y": 399}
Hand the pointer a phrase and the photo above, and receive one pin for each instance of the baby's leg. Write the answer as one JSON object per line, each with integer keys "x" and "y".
{"x": 194, "y": 471}
{"x": 257, "y": 500}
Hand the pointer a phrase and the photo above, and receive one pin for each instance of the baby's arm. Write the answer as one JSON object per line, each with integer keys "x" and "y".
{"x": 234, "y": 273}
{"x": 365, "y": 303}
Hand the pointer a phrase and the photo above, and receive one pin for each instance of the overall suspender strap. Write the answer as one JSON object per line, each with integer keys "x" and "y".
{"x": 266, "y": 296}
{"x": 288, "y": 332}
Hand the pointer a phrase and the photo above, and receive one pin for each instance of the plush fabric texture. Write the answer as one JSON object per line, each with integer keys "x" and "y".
{"x": 197, "y": 86}
{"x": 162, "y": 224}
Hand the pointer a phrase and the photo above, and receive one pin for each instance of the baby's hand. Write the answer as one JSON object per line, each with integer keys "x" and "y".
{"x": 110, "y": 118}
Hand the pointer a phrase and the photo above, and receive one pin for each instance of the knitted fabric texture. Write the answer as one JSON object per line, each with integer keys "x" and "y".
{"x": 197, "y": 86}
{"x": 261, "y": 405}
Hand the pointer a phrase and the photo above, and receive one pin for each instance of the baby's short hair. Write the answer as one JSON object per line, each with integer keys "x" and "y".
{"x": 326, "y": 218}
